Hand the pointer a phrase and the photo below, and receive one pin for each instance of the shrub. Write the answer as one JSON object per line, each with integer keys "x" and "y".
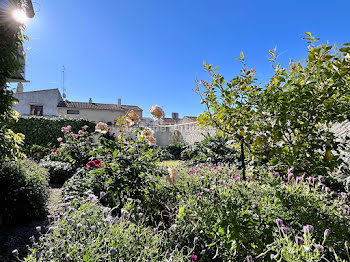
{"x": 231, "y": 219}
{"x": 59, "y": 171}
{"x": 210, "y": 150}
{"x": 23, "y": 191}
{"x": 175, "y": 150}
{"x": 90, "y": 233}
{"x": 36, "y": 129}
{"x": 36, "y": 152}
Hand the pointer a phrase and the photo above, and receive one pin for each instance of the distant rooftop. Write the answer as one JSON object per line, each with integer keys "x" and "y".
{"x": 98, "y": 106}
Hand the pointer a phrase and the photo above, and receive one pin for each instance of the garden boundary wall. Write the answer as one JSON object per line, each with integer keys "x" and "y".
{"x": 182, "y": 133}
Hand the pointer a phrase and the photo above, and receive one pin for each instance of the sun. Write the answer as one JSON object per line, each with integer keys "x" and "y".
{"x": 20, "y": 16}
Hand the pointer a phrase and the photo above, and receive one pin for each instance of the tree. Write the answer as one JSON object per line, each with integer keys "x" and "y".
{"x": 287, "y": 123}
{"x": 303, "y": 102}
{"x": 11, "y": 38}
{"x": 232, "y": 107}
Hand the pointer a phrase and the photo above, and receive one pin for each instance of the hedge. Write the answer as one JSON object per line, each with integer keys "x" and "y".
{"x": 44, "y": 131}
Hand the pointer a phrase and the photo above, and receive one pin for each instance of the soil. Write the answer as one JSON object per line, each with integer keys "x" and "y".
{"x": 17, "y": 237}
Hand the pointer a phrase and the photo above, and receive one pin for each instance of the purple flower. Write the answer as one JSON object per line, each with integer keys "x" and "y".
{"x": 68, "y": 258}
{"x": 79, "y": 225}
{"x": 124, "y": 212}
{"x": 299, "y": 240}
{"x": 38, "y": 228}
{"x": 327, "y": 232}
{"x": 93, "y": 228}
{"x": 32, "y": 239}
{"x": 194, "y": 257}
{"x": 308, "y": 229}
{"x": 284, "y": 229}
{"x": 102, "y": 194}
{"x": 249, "y": 258}
{"x": 70, "y": 221}
{"x": 319, "y": 247}
{"x": 15, "y": 252}
{"x": 83, "y": 215}
{"x": 291, "y": 171}
{"x": 279, "y": 222}
{"x": 112, "y": 251}
{"x": 51, "y": 229}
{"x": 73, "y": 233}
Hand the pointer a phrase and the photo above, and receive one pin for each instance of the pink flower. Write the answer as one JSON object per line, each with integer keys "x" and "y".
{"x": 69, "y": 128}
{"x": 90, "y": 164}
{"x": 85, "y": 127}
{"x": 97, "y": 163}
{"x": 56, "y": 151}
{"x": 59, "y": 139}
{"x": 194, "y": 257}
{"x": 52, "y": 150}
{"x": 80, "y": 132}
{"x": 63, "y": 129}
{"x": 74, "y": 135}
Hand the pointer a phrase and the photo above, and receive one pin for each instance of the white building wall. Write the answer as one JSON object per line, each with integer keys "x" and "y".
{"x": 47, "y": 98}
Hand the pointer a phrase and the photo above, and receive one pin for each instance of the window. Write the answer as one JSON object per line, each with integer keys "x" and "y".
{"x": 36, "y": 110}
{"x": 73, "y": 112}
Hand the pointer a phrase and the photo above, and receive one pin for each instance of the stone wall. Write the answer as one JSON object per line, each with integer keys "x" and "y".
{"x": 166, "y": 135}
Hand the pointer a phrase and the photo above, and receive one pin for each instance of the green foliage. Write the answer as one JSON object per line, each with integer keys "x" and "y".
{"x": 23, "y": 191}
{"x": 175, "y": 150}
{"x": 286, "y": 124}
{"x": 36, "y": 152}
{"x": 303, "y": 102}
{"x": 91, "y": 233}
{"x": 125, "y": 170}
{"x": 11, "y": 39}
{"x": 59, "y": 172}
{"x": 210, "y": 150}
{"x": 44, "y": 131}
{"x": 230, "y": 219}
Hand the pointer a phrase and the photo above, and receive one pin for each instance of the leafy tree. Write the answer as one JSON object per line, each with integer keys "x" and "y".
{"x": 232, "y": 106}
{"x": 286, "y": 124}
{"x": 303, "y": 102}
{"x": 11, "y": 38}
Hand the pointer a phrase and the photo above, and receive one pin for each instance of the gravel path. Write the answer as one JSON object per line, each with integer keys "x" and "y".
{"x": 17, "y": 237}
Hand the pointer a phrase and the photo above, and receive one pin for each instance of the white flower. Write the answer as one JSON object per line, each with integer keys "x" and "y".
{"x": 101, "y": 128}
{"x": 172, "y": 177}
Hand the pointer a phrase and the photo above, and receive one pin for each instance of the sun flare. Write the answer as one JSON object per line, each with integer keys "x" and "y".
{"x": 20, "y": 16}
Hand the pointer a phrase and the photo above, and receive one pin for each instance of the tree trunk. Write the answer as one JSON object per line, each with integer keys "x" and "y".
{"x": 242, "y": 160}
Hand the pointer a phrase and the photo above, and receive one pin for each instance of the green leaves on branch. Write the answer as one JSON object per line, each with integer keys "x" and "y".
{"x": 286, "y": 123}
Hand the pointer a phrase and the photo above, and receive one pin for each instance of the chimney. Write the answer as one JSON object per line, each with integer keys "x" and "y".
{"x": 19, "y": 88}
{"x": 119, "y": 102}
{"x": 175, "y": 116}
{"x": 90, "y": 100}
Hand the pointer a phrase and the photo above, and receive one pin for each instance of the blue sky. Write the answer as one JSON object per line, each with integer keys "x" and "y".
{"x": 151, "y": 52}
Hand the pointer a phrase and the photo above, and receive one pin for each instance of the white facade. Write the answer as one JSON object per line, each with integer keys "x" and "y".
{"x": 47, "y": 100}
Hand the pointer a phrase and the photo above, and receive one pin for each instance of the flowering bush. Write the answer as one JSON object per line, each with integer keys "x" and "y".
{"x": 91, "y": 233}
{"x": 23, "y": 191}
{"x": 72, "y": 153}
{"x": 228, "y": 218}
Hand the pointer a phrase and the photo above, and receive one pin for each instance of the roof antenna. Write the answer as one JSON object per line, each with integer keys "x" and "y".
{"x": 63, "y": 87}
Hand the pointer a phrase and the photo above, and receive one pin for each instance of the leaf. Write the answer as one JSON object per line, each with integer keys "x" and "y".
{"x": 242, "y": 55}
{"x": 308, "y": 33}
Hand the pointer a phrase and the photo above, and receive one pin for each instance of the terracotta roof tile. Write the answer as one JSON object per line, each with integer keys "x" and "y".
{"x": 97, "y": 106}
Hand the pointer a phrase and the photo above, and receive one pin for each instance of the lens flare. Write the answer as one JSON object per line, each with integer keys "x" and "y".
{"x": 20, "y": 16}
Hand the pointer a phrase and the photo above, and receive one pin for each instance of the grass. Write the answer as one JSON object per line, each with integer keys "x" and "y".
{"x": 170, "y": 163}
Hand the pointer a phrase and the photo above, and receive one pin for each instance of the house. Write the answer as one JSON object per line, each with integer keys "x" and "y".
{"x": 97, "y": 112}
{"x": 175, "y": 120}
{"x": 37, "y": 103}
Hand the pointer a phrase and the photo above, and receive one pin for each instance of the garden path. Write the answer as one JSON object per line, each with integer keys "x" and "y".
{"x": 17, "y": 237}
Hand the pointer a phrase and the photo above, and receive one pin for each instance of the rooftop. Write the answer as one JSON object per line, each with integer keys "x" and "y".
{"x": 97, "y": 106}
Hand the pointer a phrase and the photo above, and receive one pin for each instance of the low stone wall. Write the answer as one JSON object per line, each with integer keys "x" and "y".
{"x": 166, "y": 135}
